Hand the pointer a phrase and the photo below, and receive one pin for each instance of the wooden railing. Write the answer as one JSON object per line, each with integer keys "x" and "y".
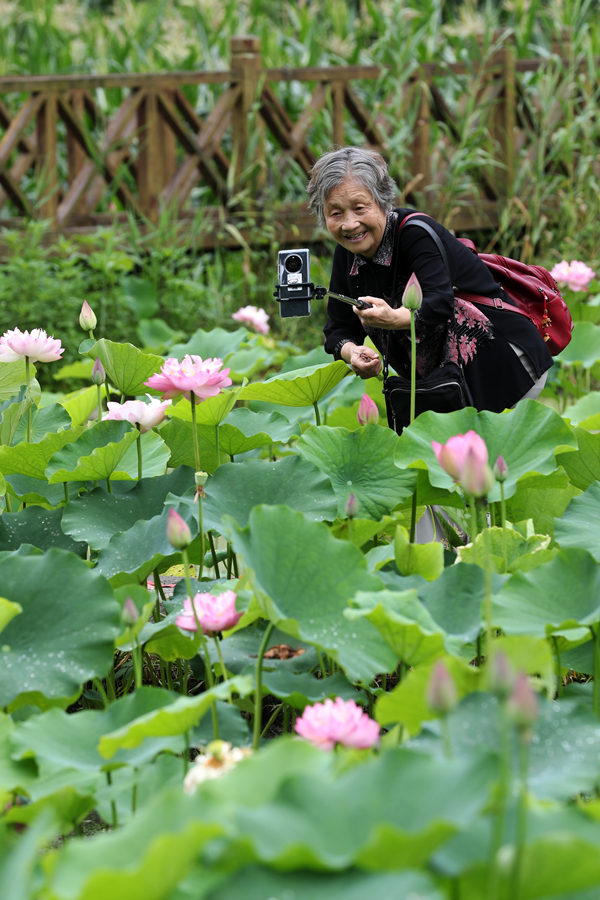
{"x": 217, "y": 151}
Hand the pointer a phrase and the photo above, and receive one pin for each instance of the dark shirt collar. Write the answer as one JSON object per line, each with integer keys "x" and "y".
{"x": 384, "y": 253}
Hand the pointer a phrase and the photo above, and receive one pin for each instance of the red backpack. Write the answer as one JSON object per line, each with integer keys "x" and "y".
{"x": 531, "y": 289}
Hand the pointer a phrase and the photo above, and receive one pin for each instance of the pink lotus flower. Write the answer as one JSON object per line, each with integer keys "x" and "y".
{"x": 465, "y": 458}
{"x": 193, "y": 375}
{"x": 337, "y": 722}
{"x": 253, "y": 317}
{"x": 34, "y": 345}
{"x": 215, "y": 613}
{"x": 146, "y": 415}
{"x": 574, "y": 275}
{"x": 368, "y": 412}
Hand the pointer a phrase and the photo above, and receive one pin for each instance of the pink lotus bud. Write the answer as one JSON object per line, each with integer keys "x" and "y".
{"x": 368, "y": 413}
{"x": 476, "y": 477}
{"x": 351, "y": 508}
{"x": 501, "y": 676}
{"x": 98, "y": 373}
{"x": 441, "y": 692}
{"x": 413, "y": 295}
{"x": 465, "y": 458}
{"x": 500, "y": 469}
{"x": 87, "y": 319}
{"x": 522, "y": 705}
{"x": 130, "y": 613}
{"x": 178, "y": 532}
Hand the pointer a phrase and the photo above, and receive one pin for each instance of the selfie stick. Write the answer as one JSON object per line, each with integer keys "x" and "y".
{"x": 319, "y": 292}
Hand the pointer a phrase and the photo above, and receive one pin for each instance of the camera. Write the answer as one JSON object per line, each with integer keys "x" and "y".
{"x": 294, "y": 287}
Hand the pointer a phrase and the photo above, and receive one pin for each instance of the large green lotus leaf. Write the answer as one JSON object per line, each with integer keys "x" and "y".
{"x": 402, "y": 621}
{"x": 44, "y": 419}
{"x": 454, "y": 600}
{"x": 95, "y": 455}
{"x": 60, "y": 740}
{"x": 297, "y": 688}
{"x": 258, "y": 883}
{"x": 210, "y": 344}
{"x": 302, "y": 387}
{"x": 12, "y": 412}
{"x": 583, "y": 465}
{"x": 12, "y": 376}
{"x": 65, "y": 634}
{"x": 20, "y": 855}
{"x": 522, "y": 553}
{"x": 32, "y": 459}
{"x": 155, "y": 456}
{"x": 426, "y": 559}
{"x": 236, "y": 488}
{"x": 304, "y": 578}
{"x": 563, "y": 757}
{"x": 586, "y": 412}
{"x": 584, "y": 346}
{"x": 541, "y": 498}
{"x": 145, "y": 547}
{"x": 177, "y": 434}
{"x": 80, "y": 404}
{"x": 8, "y": 610}
{"x": 559, "y": 595}
{"x": 38, "y": 527}
{"x": 245, "y": 430}
{"x": 169, "y": 642}
{"x": 14, "y": 775}
{"x": 35, "y": 491}
{"x": 526, "y": 437}
{"x": 169, "y": 720}
{"x": 360, "y": 463}
{"x": 97, "y": 516}
{"x": 407, "y": 703}
{"x": 211, "y": 411}
{"x": 247, "y": 362}
{"x": 126, "y": 367}
{"x": 580, "y": 524}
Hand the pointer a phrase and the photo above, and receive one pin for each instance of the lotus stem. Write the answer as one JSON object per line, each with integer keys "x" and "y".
{"x": 258, "y": 687}
{"x": 413, "y": 365}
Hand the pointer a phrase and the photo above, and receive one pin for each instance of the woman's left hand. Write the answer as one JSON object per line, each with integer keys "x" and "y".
{"x": 382, "y": 315}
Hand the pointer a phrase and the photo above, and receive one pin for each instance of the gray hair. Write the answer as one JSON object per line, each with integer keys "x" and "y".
{"x": 367, "y": 166}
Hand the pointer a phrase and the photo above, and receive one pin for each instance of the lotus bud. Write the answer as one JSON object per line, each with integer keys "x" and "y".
{"x": 98, "y": 373}
{"x": 476, "y": 477}
{"x": 441, "y": 692}
{"x": 87, "y": 318}
{"x": 178, "y": 532}
{"x": 500, "y": 469}
{"x": 501, "y": 676}
{"x": 130, "y": 613}
{"x": 351, "y": 509}
{"x": 522, "y": 705}
{"x": 413, "y": 295}
{"x": 368, "y": 413}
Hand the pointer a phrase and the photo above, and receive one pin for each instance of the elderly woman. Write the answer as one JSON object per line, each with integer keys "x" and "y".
{"x": 503, "y": 357}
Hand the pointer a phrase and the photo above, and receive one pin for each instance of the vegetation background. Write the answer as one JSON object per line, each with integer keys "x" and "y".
{"x": 147, "y": 286}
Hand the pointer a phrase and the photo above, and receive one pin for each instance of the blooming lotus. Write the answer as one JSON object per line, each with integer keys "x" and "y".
{"x": 138, "y": 412}
{"x": 34, "y": 345}
{"x": 465, "y": 458}
{"x": 214, "y": 613}
{"x": 574, "y": 275}
{"x": 253, "y": 317}
{"x": 337, "y": 722}
{"x": 368, "y": 412}
{"x": 192, "y": 376}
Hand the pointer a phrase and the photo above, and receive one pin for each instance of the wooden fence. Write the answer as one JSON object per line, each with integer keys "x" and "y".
{"x": 225, "y": 154}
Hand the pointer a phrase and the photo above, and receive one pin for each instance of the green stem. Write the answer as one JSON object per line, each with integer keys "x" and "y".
{"x": 203, "y": 641}
{"x": 596, "y": 695}
{"x": 99, "y": 391}
{"x": 66, "y": 490}
{"x": 220, "y": 655}
{"x": 137, "y": 664}
{"x": 217, "y": 447}
{"x": 134, "y": 793}
{"x": 213, "y": 553}
{"x": 201, "y": 533}
{"x": 502, "y": 794}
{"x": 413, "y": 518}
{"x": 113, "y": 805}
{"x": 109, "y": 486}
{"x": 195, "y": 433}
{"x": 559, "y": 687}
{"x": 317, "y": 414}
{"x": 100, "y": 688}
{"x": 139, "y": 454}
{"x": 503, "y": 526}
{"x": 258, "y": 687}
{"x": 521, "y": 819}
{"x": 413, "y": 364}
{"x": 27, "y": 376}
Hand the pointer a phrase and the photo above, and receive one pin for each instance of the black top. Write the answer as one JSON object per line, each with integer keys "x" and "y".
{"x": 446, "y": 326}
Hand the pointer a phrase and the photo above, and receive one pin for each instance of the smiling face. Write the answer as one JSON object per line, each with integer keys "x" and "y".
{"x": 353, "y": 218}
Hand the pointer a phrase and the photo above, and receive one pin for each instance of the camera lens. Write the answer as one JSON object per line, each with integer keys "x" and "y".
{"x": 293, "y": 263}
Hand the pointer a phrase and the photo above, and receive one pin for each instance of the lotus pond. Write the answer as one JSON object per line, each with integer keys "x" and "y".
{"x": 378, "y": 717}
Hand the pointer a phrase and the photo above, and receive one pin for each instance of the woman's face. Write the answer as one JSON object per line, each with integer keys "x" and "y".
{"x": 353, "y": 217}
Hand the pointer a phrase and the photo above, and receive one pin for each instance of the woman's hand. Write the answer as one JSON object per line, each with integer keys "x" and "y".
{"x": 364, "y": 361}
{"x": 382, "y": 315}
